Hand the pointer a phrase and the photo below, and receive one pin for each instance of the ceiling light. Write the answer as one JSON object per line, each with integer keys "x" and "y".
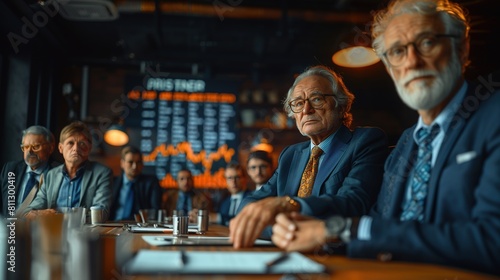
{"x": 116, "y": 135}
{"x": 355, "y": 57}
{"x": 261, "y": 143}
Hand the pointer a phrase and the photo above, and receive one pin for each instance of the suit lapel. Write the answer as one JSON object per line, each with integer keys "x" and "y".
{"x": 118, "y": 184}
{"x": 331, "y": 160}
{"x": 138, "y": 198}
{"x": 449, "y": 140}
{"x": 297, "y": 166}
{"x": 20, "y": 171}
{"x": 58, "y": 179}
{"x": 87, "y": 176}
{"x": 402, "y": 164}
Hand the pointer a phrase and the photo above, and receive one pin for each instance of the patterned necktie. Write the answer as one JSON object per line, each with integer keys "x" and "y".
{"x": 307, "y": 182}
{"x": 413, "y": 208}
{"x": 30, "y": 184}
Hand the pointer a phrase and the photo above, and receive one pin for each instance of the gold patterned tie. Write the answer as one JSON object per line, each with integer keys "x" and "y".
{"x": 307, "y": 181}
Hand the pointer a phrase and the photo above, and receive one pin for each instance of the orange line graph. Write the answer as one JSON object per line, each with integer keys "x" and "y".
{"x": 185, "y": 148}
{"x": 203, "y": 181}
{"x": 206, "y": 160}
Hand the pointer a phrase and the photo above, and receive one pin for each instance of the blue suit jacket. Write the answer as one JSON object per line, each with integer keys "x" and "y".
{"x": 95, "y": 188}
{"x": 224, "y": 208}
{"x": 348, "y": 179}
{"x": 147, "y": 194}
{"x": 462, "y": 213}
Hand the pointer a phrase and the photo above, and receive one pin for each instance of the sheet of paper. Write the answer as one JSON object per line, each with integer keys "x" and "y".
{"x": 166, "y": 240}
{"x": 218, "y": 262}
{"x": 156, "y": 230}
{"x": 107, "y": 225}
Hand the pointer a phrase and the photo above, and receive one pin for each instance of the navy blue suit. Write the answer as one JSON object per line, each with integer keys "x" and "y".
{"x": 348, "y": 179}
{"x": 462, "y": 215}
{"x": 224, "y": 208}
{"x": 19, "y": 169}
{"x": 147, "y": 194}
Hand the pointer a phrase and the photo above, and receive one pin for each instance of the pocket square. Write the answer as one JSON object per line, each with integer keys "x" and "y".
{"x": 464, "y": 157}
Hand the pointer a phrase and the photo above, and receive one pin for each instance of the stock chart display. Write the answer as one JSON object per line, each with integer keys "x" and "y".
{"x": 183, "y": 122}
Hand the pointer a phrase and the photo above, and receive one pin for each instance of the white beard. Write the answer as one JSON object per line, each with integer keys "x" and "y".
{"x": 423, "y": 96}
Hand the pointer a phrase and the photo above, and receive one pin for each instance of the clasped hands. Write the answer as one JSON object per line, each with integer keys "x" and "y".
{"x": 291, "y": 231}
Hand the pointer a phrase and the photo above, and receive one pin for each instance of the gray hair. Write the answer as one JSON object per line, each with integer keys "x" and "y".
{"x": 342, "y": 96}
{"x": 453, "y": 16}
{"x": 39, "y": 130}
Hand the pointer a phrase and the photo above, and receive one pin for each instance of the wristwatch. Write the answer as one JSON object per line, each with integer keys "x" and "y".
{"x": 337, "y": 228}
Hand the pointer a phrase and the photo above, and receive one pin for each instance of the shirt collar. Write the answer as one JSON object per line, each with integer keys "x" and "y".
{"x": 325, "y": 144}
{"x": 79, "y": 172}
{"x": 126, "y": 180}
{"x": 189, "y": 193}
{"x": 238, "y": 196}
{"x": 39, "y": 170}
{"x": 446, "y": 116}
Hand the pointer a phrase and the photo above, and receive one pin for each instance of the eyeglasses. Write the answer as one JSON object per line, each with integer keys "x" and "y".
{"x": 425, "y": 45}
{"x": 317, "y": 101}
{"x": 255, "y": 167}
{"x": 35, "y": 147}
{"x": 232, "y": 178}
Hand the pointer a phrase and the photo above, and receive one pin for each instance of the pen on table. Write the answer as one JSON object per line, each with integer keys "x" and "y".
{"x": 184, "y": 258}
{"x": 282, "y": 257}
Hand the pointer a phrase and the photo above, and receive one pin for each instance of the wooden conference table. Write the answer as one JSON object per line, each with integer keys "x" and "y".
{"x": 120, "y": 245}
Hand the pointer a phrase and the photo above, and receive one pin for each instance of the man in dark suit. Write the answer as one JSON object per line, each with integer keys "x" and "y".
{"x": 350, "y": 162}
{"x": 237, "y": 186}
{"x": 76, "y": 183}
{"x": 186, "y": 198}
{"x": 37, "y": 144}
{"x": 132, "y": 190}
{"x": 444, "y": 207}
{"x": 259, "y": 167}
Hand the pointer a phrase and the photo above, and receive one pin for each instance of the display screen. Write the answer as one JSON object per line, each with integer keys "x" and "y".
{"x": 184, "y": 122}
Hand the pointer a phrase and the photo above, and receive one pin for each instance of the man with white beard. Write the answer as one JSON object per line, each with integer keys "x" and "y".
{"x": 440, "y": 198}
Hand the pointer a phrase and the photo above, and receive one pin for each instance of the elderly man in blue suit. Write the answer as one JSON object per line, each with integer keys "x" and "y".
{"x": 342, "y": 178}
{"x": 440, "y": 198}
{"x": 76, "y": 183}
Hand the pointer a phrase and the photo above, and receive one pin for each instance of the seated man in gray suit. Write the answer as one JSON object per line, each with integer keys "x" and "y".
{"x": 78, "y": 182}
{"x": 337, "y": 171}
{"x": 133, "y": 190}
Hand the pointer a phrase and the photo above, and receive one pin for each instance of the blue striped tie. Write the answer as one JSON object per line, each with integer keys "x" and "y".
{"x": 30, "y": 184}
{"x": 413, "y": 208}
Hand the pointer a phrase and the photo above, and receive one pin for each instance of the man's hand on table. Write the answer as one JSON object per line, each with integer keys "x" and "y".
{"x": 294, "y": 232}
{"x": 247, "y": 226}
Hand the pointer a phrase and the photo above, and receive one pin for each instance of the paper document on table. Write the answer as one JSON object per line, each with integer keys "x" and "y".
{"x": 156, "y": 229}
{"x": 107, "y": 225}
{"x": 166, "y": 240}
{"x": 210, "y": 262}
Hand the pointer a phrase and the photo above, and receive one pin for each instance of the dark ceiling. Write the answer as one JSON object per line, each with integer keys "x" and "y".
{"x": 219, "y": 34}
